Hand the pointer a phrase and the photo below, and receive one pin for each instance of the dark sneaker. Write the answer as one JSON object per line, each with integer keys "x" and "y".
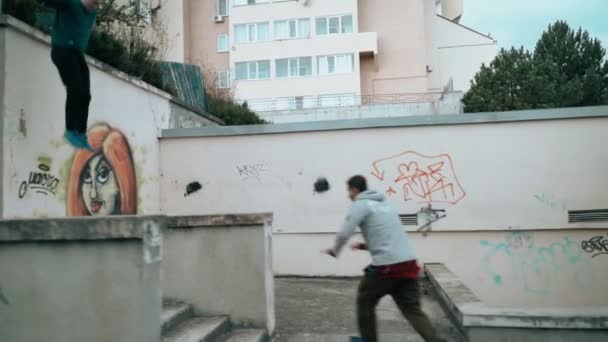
{"x": 356, "y": 339}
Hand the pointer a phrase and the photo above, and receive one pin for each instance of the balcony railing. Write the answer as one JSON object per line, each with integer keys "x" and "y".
{"x": 338, "y": 100}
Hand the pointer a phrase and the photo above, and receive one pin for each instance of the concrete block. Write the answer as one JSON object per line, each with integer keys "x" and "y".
{"x": 74, "y": 280}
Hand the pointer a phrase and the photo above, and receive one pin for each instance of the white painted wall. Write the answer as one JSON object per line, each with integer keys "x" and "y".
{"x": 507, "y": 176}
{"x": 171, "y": 17}
{"x": 33, "y": 111}
{"x": 461, "y": 52}
{"x": 312, "y": 47}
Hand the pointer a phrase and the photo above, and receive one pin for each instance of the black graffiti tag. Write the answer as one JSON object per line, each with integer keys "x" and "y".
{"x": 597, "y": 245}
{"x": 43, "y": 182}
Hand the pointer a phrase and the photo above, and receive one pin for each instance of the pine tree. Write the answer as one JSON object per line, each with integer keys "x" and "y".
{"x": 568, "y": 68}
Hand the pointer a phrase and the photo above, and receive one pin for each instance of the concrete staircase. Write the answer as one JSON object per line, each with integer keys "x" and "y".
{"x": 180, "y": 324}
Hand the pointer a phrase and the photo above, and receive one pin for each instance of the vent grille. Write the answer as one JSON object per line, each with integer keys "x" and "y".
{"x": 596, "y": 215}
{"x": 409, "y": 219}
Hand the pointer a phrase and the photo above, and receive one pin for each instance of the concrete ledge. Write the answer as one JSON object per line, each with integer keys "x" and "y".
{"x": 410, "y": 121}
{"x": 222, "y": 265}
{"x": 232, "y": 220}
{"x": 89, "y": 228}
{"x": 479, "y": 320}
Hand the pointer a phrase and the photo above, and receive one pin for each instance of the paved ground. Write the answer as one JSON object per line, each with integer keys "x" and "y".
{"x": 322, "y": 310}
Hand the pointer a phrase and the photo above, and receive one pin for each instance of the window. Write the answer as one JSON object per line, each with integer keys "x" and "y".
{"x": 293, "y": 67}
{"x": 248, "y": 33}
{"x": 294, "y": 28}
{"x": 222, "y": 7}
{"x": 336, "y": 64}
{"x": 249, "y": 2}
{"x": 334, "y": 24}
{"x": 258, "y": 70}
{"x": 223, "y": 79}
{"x": 222, "y": 42}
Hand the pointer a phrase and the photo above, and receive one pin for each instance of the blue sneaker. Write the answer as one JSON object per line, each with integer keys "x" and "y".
{"x": 78, "y": 140}
{"x": 356, "y": 339}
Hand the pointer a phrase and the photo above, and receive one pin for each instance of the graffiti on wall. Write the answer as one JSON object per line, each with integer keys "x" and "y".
{"x": 597, "y": 245}
{"x": 103, "y": 182}
{"x": 420, "y": 178}
{"x": 518, "y": 261}
{"x": 41, "y": 181}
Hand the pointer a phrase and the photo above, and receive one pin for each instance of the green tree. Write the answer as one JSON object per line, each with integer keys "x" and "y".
{"x": 568, "y": 68}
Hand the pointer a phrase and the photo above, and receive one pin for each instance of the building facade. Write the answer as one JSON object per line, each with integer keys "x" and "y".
{"x": 299, "y": 54}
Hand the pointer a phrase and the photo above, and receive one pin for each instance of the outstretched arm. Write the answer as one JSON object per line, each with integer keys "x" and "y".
{"x": 356, "y": 215}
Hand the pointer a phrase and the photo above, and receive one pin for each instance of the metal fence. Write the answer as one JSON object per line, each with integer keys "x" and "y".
{"x": 338, "y": 100}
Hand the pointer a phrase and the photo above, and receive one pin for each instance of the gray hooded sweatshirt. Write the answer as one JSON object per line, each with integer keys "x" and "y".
{"x": 381, "y": 227}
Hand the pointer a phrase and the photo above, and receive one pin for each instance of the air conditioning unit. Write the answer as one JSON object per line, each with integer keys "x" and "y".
{"x": 218, "y": 18}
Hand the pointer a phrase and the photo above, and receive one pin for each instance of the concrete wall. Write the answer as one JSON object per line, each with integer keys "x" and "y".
{"x": 461, "y": 52}
{"x": 399, "y": 66}
{"x": 75, "y": 280}
{"x": 481, "y": 321}
{"x": 448, "y": 104}
{"x": 489, "y": 172}
{"x": 222, "y": 265}
{"x": 38, "y": 165}
{"x": 201, "y": 35}
{"x": 171, "y": 16}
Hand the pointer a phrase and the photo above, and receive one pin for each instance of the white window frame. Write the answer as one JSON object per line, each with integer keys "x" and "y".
{"x": 220, "y": 84}
{"x": 249, "y": 2}
{"x": 248, "y": 27}
{"x": 298, "y": 34}
{"x": 219, "y": 40}
{"x": 291, "y": 60}
{"x": 340, "y": 24}
{"x": 335, "y": 57}
{"x": 219, "y": 12}
{"x": 257, "y": 70}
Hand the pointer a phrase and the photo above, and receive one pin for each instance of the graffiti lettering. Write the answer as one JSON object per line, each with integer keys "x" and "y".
{"x": 536, "y": 269}
{"x": 597, "y": 245}
{"x": 254, "y": 171}
{"x": 42, "y": 181}
{"x": 423, "y": 178}
{"x": 550, "y": 200}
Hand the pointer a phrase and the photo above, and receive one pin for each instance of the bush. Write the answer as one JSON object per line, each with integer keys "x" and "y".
{"x": 232, "y": 113}
{"x": 135, "y": 59}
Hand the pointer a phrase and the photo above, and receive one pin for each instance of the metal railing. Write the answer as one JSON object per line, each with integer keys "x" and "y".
{"x": 338, "y": 100}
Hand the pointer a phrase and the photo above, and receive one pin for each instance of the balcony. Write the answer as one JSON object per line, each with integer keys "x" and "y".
{"x": 364, "y": 43}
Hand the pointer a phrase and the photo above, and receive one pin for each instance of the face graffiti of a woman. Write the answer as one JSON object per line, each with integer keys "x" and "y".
{"x": 103, "y": 182}
{"x": 99, "y": 187}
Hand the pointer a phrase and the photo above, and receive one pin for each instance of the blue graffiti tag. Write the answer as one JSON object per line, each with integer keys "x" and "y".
{"x": 537, "y": 268}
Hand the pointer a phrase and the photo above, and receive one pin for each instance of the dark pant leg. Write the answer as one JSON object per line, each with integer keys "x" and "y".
{"x": 407, "y": 297}
{"x": 83, "y": 117}
{"x": 371, "y": 290}
{"x": 69, "y": 64}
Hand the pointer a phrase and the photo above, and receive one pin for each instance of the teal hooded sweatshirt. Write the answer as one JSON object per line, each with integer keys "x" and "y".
{"x": 381, "y": 227}
{"x": 73, "y": 24}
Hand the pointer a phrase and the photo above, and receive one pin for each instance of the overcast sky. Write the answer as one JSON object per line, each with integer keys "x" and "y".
{"x": 521, "y": 22}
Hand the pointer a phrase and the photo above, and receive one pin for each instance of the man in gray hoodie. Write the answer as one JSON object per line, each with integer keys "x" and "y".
{"x": 394, "y": 270}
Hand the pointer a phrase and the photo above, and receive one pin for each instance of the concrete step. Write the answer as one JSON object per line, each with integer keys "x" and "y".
{"x": 199, "y": 329}
{"x": 173, "y": 314}
{"x": 245, "y": 335}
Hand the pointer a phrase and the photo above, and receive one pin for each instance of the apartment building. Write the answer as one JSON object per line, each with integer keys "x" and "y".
{"x": 286, "y": 54}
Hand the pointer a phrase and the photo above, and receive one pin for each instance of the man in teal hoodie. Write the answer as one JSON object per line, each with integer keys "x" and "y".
{"x": 394, "y": 270}
{"x": 74, "y": 21}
